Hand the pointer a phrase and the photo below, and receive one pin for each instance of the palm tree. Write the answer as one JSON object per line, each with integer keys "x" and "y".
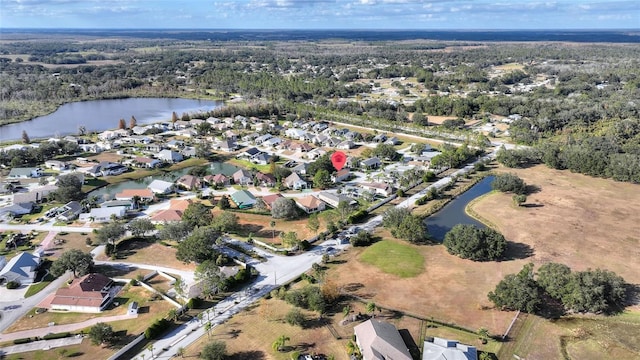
{"x": 484, "y": 334}
{"x": 371, "y": 307}
{"x": 136, "y": 201}
{"x": 173, "y": 314}
{"x": 207, "y": 327}
{"x": 180, "y": 352}
{"x": 280, "y": 342}
{"x": 151, "y": 348}
{"x": 272, "y": 224}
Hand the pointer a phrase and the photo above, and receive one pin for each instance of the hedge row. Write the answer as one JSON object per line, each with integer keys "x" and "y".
{"x": 56, "y": 336}
{"x": 157, "y": 328}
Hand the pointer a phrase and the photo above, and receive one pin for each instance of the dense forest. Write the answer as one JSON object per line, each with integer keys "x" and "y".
{"x": 576, "y": 104}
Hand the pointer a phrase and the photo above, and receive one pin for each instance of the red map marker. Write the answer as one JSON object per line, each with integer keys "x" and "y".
{"x": 338, "y": 159}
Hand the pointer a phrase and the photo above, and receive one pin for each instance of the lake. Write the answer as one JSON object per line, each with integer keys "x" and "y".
{"x": 453, "y": 213}
{"x": 100, "y": 115}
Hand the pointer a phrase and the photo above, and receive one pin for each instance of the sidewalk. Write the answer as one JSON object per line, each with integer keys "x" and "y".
{"x": 62, "y": 328}
{"x": 41, "y": 345}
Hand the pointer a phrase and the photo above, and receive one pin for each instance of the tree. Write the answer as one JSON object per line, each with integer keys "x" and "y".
{"x": 418, "y": 118}
{"x": 74, "y": 260}
{"x": 553, "y": 278}
{"x": 174, "y": 118}
{"x": 371, "y": 307}
{"x": 386, "y": 151}
{"x": 122, "y": 124}
{"x": 178, "y": 230}
{"x": 509, "y": 183}
{"x": 215, "y": 350}
{"x": 101, "y": 333}
{"x": 322, "y": 179}
{"x": 471, "y": 242}
{"x": 280, "y": 343}
{"x": 519, "y": 199}
{"x": 132, "y": 122}
{"x": 210, "y": 278}
{"x": 284, "y": 208}
{"x": 25, "y": 137}
{"x": 594, "y": 291}
{"x": 404, "y": 225}
{"x": 140, "y": 226}
{"x": 517, "y": 292}
{"x": 181, "y": 352}
{"x": 313, "y": 223}
{"x": 224, "y": 202}
{"x": 173, "y": 314}
{"x": 289, "y": 239}
{"x": 484, "y": 334}
{"x": 295, "y": 317}
{"x": 202, "y": 150}
{"x": 225, "y": 222}
{"x": 110, "y": 232}
{"x": 197, "y": 214}
{"x": 197, "y": 247}
{"x": 363, "y": 238}
{"x": 69, "y": 189}
{"x": 344, "y": 209}
{"x": 272, "y": 225}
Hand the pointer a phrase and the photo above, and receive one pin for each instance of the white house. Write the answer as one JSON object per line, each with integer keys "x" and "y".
{"x": 21, "y": 268}
{"x": 169, "y": 156}
{"x": 439, "y": 349}
{"x": 294, "y": 181}
{"x": 102, "y": 215}
{"x": 161, "y": 187}
{"x": 25, "y": 173}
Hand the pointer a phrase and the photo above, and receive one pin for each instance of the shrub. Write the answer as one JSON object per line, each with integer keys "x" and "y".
{"x": 13, "y": 285}
{"x": 22, "y": 341}
{"x": 509, "y": 183}
{"x": 56, "y": 336}
{"x": 157, "y": 328}
{"x": 471, "y": 242}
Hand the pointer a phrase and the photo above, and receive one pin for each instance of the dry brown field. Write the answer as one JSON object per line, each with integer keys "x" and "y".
{"x": 581, "y": 221}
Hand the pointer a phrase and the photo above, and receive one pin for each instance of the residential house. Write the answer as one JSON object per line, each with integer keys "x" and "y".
{"x": 22, "y": 268}
{"x": 379, "y": 340}
{"x": 370, "y": 163}
{"x": 293, "y": 133}
{"x": 265, "y": 179}
{"x": 25, "y": 173}
{"x": 170, "y": 156}
{"x": 248, "y": 153}
{"x": 443, "y": 349}
{"x": 230, "y": 135}
{"x": 36, "y": 195}
{"x": 352, "y": 135}
{"x": 166, "y": 216}
{"x": 91, "y": 293}
{"x": 380, "y": 138}
{"x": 107, "y": 168}
{"x": 300, "y": 169}
{"x": 261, "y": 159}
{"x": 146, "y": 162}
{"x": 161, "y": 187}
{"x": 260, "y": 139}
{"x": 70, "y": 211}
{"x": 294, "y": 181}
{"x": 217, "y": 180}
{"x": 188, "y": 151}
{"x": 334, "y": 199}
{"x": 153, "y": 148}
{"x": 226, "y": 146}
{"x": 145, "y": 195}
{"x": 301, "y": 147}
{"x": 189, "y": 182}
{"x": 139, "y": 130}
{"x": 17, "y": 209}
{"x": 91, "y": 148}
{"x": 113, "y": 203}
{"x": 346, "y": 145}
{"x": 6, "y": 188}
{"x": 319, "y": 139}
{"x": 316, "y": 153}
{"x": 56, "y": 165}
{"x": 242, "y": 177}
{"x": 310, "y": 204}
{"x": 109, "y": 135}
{"x": 104, "y": 214}
{"x": 340, "y": 175}
{"x": 392, "y": 141}
{"x": 383, "y": 189}
{"x": 272, "y": 142}
{"x": 270, "y": 199}
{"x": 243, "y": 199}
{"x": 175, "y": 144}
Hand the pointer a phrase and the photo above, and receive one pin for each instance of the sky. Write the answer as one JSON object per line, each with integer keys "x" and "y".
{"x": 321, "y": 14}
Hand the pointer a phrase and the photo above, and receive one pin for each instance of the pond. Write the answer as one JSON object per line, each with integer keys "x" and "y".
{"x": 100, "y": 115}
{"x": 453, "y": 213}
{"x": 111, "y": 190}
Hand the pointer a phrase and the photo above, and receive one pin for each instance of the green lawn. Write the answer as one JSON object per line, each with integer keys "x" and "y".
{"x": 37, "y": 287}
{"x": 394, "y": 258}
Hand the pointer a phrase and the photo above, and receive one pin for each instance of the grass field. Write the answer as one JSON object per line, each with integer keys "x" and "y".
{"x": 395, "y": 258}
